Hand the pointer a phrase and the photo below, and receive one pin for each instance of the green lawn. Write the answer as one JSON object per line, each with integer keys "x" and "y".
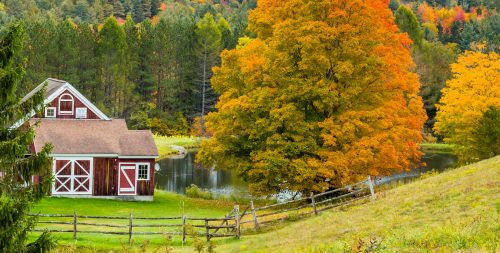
{"x": 164, "y": 143}
{"x": 164, "y": 204}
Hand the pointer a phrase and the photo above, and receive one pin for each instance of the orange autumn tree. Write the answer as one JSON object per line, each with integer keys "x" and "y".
{"x": 324, "y": 96}
{"x": 468, "y": 96}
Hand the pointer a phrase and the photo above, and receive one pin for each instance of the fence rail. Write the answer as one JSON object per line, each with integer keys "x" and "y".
{"x": 232, "y": 223}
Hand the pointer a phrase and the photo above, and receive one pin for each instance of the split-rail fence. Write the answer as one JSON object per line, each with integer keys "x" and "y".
{"x": 229, "y": 226}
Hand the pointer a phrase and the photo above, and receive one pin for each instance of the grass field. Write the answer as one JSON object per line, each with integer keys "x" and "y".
{"x": 437, "y": 147}
{"x": 456, "y": 211}
{"x": 164, "y": 204}
{"x": 164, "y": 143}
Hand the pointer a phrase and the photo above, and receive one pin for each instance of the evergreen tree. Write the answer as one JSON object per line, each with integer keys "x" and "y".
{"x": 228, "y": 41}
{"x": 88, "y": 66}
{"x": 145, "y": 84}
{"x": 209, "y": 46}
{"x": 146, "y": 8}
{"x": 18, "y": 193}
{"x": 408, "y": 23}
{"x": 119, "y": 10}
{"x": 137, "y": 11}
{"x": 113, "y": 53}
{"x": 155, "y": 7}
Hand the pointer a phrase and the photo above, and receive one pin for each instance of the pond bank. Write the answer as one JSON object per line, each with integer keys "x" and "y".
{"x": 166, "y": 144}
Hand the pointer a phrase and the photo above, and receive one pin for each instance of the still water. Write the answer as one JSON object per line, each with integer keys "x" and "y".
{"x": 176, "y": 174}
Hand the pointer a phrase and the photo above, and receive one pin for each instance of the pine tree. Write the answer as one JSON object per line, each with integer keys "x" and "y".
{"x": 119, "y": 10}
{"x": 18, "y": 193}
{"x": 146, "y": 8}
{"x": 113, "y": 53}
{"x": 226, "y": 33}
{"x": 155, "y": 7}
{"x": 137, "y": 11}
{"x": 209, "y": 46}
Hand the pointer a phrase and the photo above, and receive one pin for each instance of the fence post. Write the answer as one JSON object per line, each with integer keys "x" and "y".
{"x": 74, "y": 225}
{"x": 237, "y": 220}
{"x": 313, "y": 202}
{"x": 254, "y": 214}
{"x": 208, "y": 230}
{"x": 370, "y": 185}
{"x": 130, "y": 229}
{"x": 183, "y": 228}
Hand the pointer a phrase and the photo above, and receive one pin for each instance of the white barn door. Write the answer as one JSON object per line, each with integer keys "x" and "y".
{"x": 72, "y": 176}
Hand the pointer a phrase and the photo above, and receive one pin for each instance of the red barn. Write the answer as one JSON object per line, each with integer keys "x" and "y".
{"x": 93, "y": 155}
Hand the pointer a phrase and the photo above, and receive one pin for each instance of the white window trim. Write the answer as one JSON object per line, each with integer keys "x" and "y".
{"x": 61, "y": 99}
{"x": 81, "y": 108}
{"x": 148, "y": 175}
{"x": 50, "y": 108}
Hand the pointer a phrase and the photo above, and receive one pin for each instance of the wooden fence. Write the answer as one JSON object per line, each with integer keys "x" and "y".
{"x": 306, "y": 206}
{"x": 231, "y": 224}
{"x": 129, "y": 225}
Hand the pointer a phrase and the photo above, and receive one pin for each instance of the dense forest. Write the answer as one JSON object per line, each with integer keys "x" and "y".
{"x": 150, "y": 61}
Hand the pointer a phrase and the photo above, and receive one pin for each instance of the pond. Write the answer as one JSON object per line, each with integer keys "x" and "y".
{"x": 176, "y": 174}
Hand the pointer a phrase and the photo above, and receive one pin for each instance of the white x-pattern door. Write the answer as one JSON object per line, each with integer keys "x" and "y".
{"x": 72, "y": 176}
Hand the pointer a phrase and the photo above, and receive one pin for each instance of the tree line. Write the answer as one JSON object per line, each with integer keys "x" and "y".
{"x": 155, "y": 73}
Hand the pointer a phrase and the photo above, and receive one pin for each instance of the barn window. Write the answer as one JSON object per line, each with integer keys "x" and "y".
{"x": 50, "y": 112}
{"x": 66, "y": 103}
{"x": 81, "y": 113}
{"x": 143, "y": 172}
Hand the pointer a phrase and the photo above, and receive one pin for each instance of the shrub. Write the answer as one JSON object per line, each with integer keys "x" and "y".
{"x": 194, "y": 191}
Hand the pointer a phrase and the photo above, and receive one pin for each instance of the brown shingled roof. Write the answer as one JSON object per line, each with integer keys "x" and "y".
{"x": 70, "y": 136}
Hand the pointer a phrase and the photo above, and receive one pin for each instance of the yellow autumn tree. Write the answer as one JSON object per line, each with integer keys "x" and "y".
{"x": 468, "y": 96}
{"x": 324, "y": 96}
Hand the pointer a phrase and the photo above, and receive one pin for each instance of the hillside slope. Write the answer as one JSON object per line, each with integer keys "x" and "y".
{"x": 453, "y": 211}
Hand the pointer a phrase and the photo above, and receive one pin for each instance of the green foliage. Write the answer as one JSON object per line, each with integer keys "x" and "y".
{"x": 486, "y": 137}
{"x": 193, "y": 191}
{"x": 408, "y": 23}
{"x": 18, "y": 192}
{"x": 209, "y": 46}
{"x": 433, "y": 61}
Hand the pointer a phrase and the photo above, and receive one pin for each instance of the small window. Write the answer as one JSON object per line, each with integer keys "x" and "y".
{"x": 66, "y": 104}
{"x": 143, "y": 172}
{"x": 50, "y": 112}
{"x": 81, "y": 113}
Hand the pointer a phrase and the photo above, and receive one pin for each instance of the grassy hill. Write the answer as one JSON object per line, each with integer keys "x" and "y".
{"x": 453, "y": 211}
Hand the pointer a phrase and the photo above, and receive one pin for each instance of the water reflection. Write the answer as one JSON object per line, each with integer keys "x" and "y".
{"x": 176, "y": 174}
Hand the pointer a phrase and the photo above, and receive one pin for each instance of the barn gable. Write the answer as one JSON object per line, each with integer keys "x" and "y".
{"x": 64, "y": 101}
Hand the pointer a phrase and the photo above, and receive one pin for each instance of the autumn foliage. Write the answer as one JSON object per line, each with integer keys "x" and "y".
{"x": 473, "y": 91}
{"x": 323, "y": 97}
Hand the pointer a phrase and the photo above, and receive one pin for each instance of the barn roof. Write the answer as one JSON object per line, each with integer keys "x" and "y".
{"x": 93, "y": 137}
{"x": 52, "y": 86}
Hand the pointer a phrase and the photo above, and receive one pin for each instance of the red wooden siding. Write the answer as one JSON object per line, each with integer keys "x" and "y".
{"x": 105, "y": 177}
{"x": 144, "y": 187}
{"x": 77, "y": 104}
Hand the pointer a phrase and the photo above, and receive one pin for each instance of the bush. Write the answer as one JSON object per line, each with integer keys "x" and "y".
{"x": 194, "y": 191}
